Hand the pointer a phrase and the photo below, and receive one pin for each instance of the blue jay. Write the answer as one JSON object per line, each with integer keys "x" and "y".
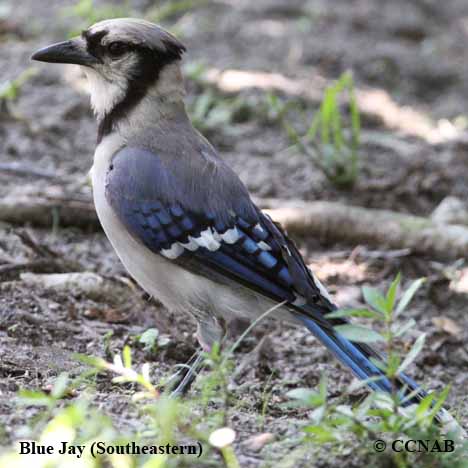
{"x": 179, "y": 218}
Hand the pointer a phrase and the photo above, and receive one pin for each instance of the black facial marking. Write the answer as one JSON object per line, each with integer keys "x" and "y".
{"x": 144, "y": 75}
{"x": 93, "y": 42}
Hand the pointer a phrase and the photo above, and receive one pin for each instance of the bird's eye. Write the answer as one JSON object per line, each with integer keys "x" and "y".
{"x": 117, "y": 49}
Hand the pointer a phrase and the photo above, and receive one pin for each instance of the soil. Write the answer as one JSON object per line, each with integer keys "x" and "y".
{"x": 415, "y": 52}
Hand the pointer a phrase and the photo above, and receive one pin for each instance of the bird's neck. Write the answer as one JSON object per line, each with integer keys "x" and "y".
{"x": 156, "y": 110}
{"x": 161, "y": 104}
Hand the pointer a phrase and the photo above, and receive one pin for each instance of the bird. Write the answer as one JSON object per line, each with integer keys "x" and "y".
{"x": 179, "y": 218}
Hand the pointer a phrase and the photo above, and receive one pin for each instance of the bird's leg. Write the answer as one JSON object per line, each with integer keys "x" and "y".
{"x": 186, "y": 375}
{"x": 208, "y": 331}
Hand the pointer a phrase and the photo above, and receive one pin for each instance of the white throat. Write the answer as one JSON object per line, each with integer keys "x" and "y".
{"x": 104, "y": 94}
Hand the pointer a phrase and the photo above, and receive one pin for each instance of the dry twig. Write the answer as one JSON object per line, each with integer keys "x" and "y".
{"x": 337, "y": 222}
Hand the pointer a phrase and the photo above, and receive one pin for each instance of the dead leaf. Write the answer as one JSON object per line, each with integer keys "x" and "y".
{"x": 257, "y": 442}
{"x": 447, "y": 325}
{"x": 460, "y": 283}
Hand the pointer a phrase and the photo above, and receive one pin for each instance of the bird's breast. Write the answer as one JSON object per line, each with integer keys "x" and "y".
{"x": 148, "y": 269}
{"x": 175, "y": 287}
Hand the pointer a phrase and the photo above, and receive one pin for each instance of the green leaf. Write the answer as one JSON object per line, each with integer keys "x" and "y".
{"x": 149, "y": 338}
{"x": 341, "y": 421}
{"x": 345, "y": 410}
{"x": 337, "y": 129}
{"x": 400, "y": 329}
{"x": 408, "y": 295}
{"x": 300, "y": 393}
{"x": 422, "y": 410}
{"x": 354, "y": 313}
{"x": 393, "y": 363}
{"x": 320, "y": 433}
{"x": 379, "y": 363}
{"x": 34, "y": 398}
{"x": 355, "y": 119}
{"x": 318, "y": 414}
{"x": 358, "y": 333}
{"x": 373, "y": 297}
{"x": 326, "y": 113}
{"x": 92, "y": 361}
{"x": 391, "y": 295}
{"x": 363, "y": 409}
{"x": 357, "y": 384}
{"x": 323, "y": 386}
{"x": 10, "y": 89}
{"x": 312, "y": 131}
{"x": 409, "y": 396}
{"x": 306, "y": 396}
{"x": 384, "y": 402}
{"x": 439, "y": 402}
{"x": 414, "y": 351}
{"x": 127, "y": 357}
{"x": 60, "y": 386}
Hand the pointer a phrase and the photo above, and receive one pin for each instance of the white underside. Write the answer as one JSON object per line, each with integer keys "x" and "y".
{"x": 175, "y": 287}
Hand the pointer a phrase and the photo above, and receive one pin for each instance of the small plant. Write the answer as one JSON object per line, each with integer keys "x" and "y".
{"x": 122, "y": 366}
{"x": 11, "y": 89}
{"x": 332, "y": 140}
{"x": 384, "y": 309}
{"x": 274, "y": 109}
{"x": 380, "y": 416}
{"x": 152, "y": 340}
{"x": 211, "y": 112}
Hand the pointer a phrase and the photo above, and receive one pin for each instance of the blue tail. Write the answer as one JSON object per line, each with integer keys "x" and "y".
{"x": 357, "y": 357}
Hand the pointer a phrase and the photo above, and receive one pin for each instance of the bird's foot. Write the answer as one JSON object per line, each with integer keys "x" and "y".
{"x": 181, "y": 381}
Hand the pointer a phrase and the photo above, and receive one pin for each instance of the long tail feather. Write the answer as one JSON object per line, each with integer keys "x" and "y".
{"x": 357, "y": 357}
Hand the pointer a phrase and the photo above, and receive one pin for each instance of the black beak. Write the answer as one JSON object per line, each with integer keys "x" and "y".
{"x": 72, "y": 51}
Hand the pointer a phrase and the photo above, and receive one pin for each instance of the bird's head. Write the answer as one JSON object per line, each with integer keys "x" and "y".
{"x": 125, "y": 60}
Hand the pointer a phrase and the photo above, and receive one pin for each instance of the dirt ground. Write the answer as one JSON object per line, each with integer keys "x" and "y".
{"x": 413, "y": 53}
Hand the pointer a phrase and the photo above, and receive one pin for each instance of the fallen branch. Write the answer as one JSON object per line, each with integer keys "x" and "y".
{"x": 89, "y": 284}
{"x": 12, "y": 271}
{"x": 46, "y": 211}
{"x": 338, "y": 222}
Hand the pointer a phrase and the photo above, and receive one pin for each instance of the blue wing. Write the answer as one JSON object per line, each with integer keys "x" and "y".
{"x": 214, "y": 230}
